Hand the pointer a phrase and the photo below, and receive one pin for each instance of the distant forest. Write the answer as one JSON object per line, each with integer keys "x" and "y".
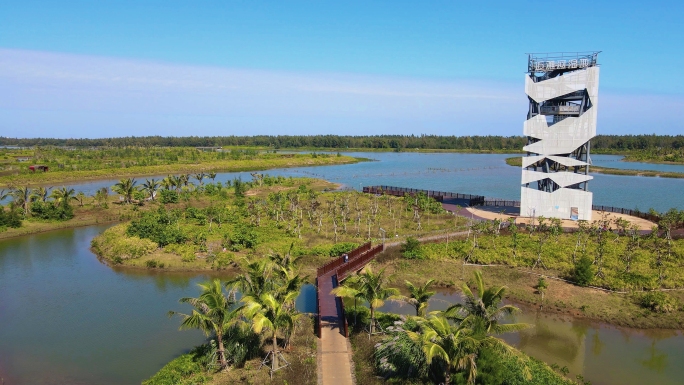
{"x": 601, "y": 143}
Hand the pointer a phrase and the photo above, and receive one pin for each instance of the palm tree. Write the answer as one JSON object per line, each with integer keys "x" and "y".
{"x": 419, "y": 296}
{"x": 176, "y": 182}
{"x": 213, "y": 312}
{"x": 40, "y": 193}
{"x": 63, "y": 196}
{"x": 22, "y": 197}
{"x": 266, "y": 311}
{"x": 477, "y": 323}
{"x": 212, "y": 175}
{"x": 438, "y": 338}
{"x": 184, "y": 179}
{"x": 371, "y": 288}
{"x": 126, "y": 188}
{"x": 80, "y": 197}
{"x": 150, "y": 186}
{"x": 484, "y": 308}
{"x": 199, "y": 177}
{"x": 101, "y": 196}
{"x": 255, "y": 281}
{"x": 167, "y": 182}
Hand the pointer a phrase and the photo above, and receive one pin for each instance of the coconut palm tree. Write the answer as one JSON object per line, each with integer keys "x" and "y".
{"x": 477, "y": 322}
{"x": 268, "y": 312}
{"x": 126, "y": 188}
{"x": 41, "y": 193}
{"x": 23, "y": 198}
{"x": 419, "y": 296}
{"x": 212, "y": 175}
{"x": 63, "y": 195}
{"x": 199, "y": 177}
{"x": 371, "y": 288}
{"x": 150, "y": 186}
{"x": 256, "y": 280}
{"x": 80, "y": 197}
{"x": 214, "y": 313}
{"x": 167, "y": 183}
{"x": 484, "y": 309}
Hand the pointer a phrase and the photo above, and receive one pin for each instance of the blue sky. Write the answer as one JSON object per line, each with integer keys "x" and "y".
{"x": 96, "y": 69}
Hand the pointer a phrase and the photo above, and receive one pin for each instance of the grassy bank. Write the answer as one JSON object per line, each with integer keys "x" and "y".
{"x": 517, "y": 162}
{"x": 445, "y": 264}
{"x": 127, "y": 167}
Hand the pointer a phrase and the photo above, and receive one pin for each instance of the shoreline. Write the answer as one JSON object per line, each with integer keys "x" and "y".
{"x": 517, "y": 162}
{"x": 194, "y": 168}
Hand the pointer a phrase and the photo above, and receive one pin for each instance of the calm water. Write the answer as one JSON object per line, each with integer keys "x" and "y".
{"x": 66, "y": 318}
{"x": 615, "y": 161}
{"x": 483, "y": 174}
{"x": 603, "y": 354}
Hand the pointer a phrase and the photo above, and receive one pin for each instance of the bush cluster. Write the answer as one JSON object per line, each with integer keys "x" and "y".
{"x": 51, "y": 211}
{"x": 9, "y": 219}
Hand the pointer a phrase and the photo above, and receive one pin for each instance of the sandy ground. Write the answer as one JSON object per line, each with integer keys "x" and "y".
{"x": 643, "y": 224}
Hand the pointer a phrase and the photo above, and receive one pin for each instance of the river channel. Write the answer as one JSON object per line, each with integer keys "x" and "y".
{"x": 67, "y": 318}
{"x": 481, "y": 174}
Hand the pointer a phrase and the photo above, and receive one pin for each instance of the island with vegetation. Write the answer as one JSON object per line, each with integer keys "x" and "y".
{"x": 516, "y": 161}
{"x": 52, "y": 165}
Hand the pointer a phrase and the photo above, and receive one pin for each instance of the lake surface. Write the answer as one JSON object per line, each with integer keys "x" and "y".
{"x": 66, "y": 318}
{"x": 603, "y": 354}
{"x": 482, "y": 174}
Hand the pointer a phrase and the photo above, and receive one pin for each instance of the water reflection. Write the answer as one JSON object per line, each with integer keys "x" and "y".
{"x": 603, "y": 354}
{"x": 84, "y": 322}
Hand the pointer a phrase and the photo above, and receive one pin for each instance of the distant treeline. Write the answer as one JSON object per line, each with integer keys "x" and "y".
{"x": 481, "y": 143}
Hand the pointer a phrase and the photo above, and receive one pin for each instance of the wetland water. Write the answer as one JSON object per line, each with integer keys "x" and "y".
{"x": 67, "y": 318}
{"x": 482, "y": 174}
{"x": 603, "y": 354}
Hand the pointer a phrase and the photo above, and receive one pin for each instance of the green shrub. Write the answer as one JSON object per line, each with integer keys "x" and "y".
{"x": 222, "y": 261}
{"x": 51, "y": 211}
{"x": 9, "y": 218}
{"x": 159, "y": 226}
{"x": 340, "y": 248}
{"x": 168, "y": 196}
{"x": 584, "y": 271}
{"x": 657, "y": 301}
{"x": 244, "y": 236}
{"x": 151, "y": 263}
{"x": 411, "y": 249}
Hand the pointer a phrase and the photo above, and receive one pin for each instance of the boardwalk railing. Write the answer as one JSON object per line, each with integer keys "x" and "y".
{"x": 339, "y": 261}
{"x": 344, "y": 316}
{"x": 634, "y": 213}
{"x": 617, "y": 210}
{"x": 357, "y": 259}
{"x": 439, "y": 196}
{"x": 318, "y": 302}
{"x": 358, "y": 263}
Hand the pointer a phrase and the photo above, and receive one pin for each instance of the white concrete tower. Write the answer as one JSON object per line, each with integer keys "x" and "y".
{"x": 562, "y": 89}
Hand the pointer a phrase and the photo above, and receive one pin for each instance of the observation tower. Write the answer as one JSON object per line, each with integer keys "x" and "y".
{"x": 562, "y": 89}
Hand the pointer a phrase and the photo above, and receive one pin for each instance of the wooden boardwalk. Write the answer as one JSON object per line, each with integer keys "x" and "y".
{"x": 334, "y": 350}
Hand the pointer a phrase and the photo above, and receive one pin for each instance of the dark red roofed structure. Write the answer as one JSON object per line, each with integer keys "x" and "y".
{"x": 38, "y": 167}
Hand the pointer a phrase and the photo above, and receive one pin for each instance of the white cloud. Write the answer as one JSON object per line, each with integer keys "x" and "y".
{"x": 52, "y": 94}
